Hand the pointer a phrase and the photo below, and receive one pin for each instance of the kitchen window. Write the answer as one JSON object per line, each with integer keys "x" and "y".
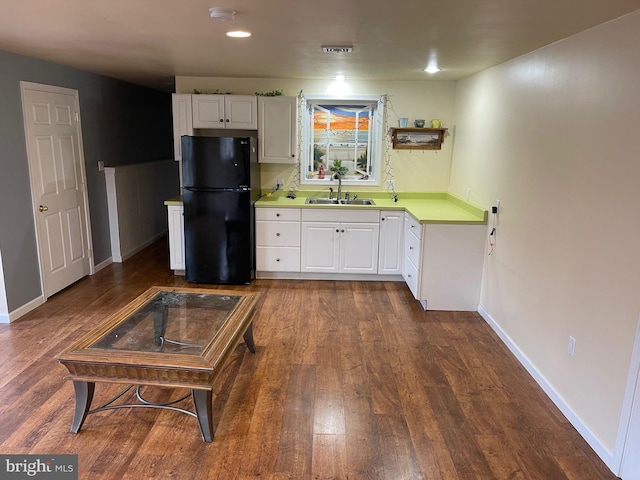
{"x": 342, "y": 132}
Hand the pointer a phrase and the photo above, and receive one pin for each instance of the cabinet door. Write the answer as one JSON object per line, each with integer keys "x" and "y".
{"x": 391, "y": 246}
{"x": 320, "y": 247}
{"x": 182, "y": 121}
{"x": 176, "y": 237}
{"x": 241, "y": 112}
{"x": 277, "y": 127}
{"x": 208, "y": 111}
{"x": 359, "y": 247}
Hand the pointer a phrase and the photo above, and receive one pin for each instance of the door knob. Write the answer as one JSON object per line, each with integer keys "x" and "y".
{"x": 43, "y": 208}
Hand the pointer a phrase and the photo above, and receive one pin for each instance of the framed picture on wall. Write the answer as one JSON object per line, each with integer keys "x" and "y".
{"x": 418, "y": 138}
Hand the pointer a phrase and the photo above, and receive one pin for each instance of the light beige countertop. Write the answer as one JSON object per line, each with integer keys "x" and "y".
{"x": 438, "y": 207}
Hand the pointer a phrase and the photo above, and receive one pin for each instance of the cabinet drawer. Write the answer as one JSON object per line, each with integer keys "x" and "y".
{"x": 278, "y": 259}
{"x": 278, "y": 214}
{"x": 412, "y": 225}
{"x": 410, "y": 274}
{"x": 340, "y": 215}
{"x": 278, "y": 234}
{"x": 412, "y": 248}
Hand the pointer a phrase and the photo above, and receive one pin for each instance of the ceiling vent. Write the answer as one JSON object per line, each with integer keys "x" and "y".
{"x": 337, "y": 49}
{"x": 222, "y": 14}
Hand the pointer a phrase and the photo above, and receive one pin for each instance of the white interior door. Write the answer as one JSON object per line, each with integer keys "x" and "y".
{"x": 58, "y": 184}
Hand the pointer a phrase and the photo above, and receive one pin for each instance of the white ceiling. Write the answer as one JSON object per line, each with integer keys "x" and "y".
{"x": 149, "y": 42}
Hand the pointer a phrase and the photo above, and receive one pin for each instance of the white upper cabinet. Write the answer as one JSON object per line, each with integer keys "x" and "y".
{"x": 225, "y": 111}
{"x": 277, "y": 132}
{"x": 182, "y": 121}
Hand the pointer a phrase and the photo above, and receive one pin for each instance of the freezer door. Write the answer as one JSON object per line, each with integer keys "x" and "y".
{"x": 216, "y": 162}
{"x": 218, "y": 237}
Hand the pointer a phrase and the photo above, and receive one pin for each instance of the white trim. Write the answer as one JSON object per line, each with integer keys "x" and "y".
{"x": 4, "y": 308}
{"x": 24, "y": 86}
{"x": 104, "y": 264}
{"x": 24, "y": 309}
{"x": 364, "y": 277}
{"x": 619, "y": 451}
{"x": 605, "y": 454}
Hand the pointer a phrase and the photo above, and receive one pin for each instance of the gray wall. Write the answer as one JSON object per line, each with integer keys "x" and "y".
{"x": 121, "y": 124}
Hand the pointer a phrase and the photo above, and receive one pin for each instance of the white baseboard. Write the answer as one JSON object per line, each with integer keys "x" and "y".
{"x": 605, "y": 454}
{"x": 365, "y": 277}
{"x": 22, "y": 310}
{"x": 103, "y": 264}
{"x": 138, "y": 248}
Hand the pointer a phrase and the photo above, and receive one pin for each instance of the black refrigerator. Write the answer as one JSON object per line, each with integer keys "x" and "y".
{"x": 221, "y": 183}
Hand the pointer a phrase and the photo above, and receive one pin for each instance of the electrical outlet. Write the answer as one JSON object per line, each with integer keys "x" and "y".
{"x": 498, "y": 204}
{"x": 391, "y": 184}
{"x": 571, "y": 347}
{"x": 100, "y": 165}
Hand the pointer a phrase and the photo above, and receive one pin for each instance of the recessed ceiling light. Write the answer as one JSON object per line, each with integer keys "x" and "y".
{"x": 432, "y": 69}
{"x": 238, "y": 34}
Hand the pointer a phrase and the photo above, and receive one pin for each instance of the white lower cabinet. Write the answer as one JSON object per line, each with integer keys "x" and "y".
{"x": 443, "y": 264}
{"x": 344, "y": 241}
{"x": 176, "y": 237}
{"x": 412, "y": 254}
{"x": 277, "y": 239}
{"x": 391, "y": 248}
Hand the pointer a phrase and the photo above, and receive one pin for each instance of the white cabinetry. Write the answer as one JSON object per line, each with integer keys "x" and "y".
{"x": 225, "y": 111}
{"x": 182, "y": 121}
{"x": 452, "y": 260}
{"x": 176, "y": 237}
{"x": 412, "y": 254}
{"x": 277, "y": 239}
{"x": 344, "y": 241}
{"x": 443, "y": 264}
{"x": 391, "y": 247}
{"x": 277, "y": 129}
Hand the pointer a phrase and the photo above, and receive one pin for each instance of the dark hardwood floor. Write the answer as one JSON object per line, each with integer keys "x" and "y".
{"x": 351, "y": 380}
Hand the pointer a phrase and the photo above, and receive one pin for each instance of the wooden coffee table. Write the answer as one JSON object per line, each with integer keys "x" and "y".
{"x": 167, "y": 337}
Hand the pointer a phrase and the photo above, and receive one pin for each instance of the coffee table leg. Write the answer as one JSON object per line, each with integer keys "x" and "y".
{"x": 84, "y": 395}
{"x": 248, "y": 338}
{"x": 204, "y": 407}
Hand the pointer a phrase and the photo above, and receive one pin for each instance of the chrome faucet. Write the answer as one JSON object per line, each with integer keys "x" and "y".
{"x": 339, "y": 178}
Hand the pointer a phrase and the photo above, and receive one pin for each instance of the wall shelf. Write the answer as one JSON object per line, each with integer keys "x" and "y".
{"x": 418, "y": 138}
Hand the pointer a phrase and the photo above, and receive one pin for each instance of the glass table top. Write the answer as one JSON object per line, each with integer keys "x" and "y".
{"x": 171, "y": 322}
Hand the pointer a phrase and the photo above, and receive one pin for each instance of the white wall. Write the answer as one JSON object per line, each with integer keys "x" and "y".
{"x": 554, "y": 136}
{"x": 414, "y": 171}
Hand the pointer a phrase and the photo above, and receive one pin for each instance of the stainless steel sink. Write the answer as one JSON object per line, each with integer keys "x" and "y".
{"x": 358, "y": 201}
{"x": 321, "y": 201}
{"x": 330, "y": 201}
